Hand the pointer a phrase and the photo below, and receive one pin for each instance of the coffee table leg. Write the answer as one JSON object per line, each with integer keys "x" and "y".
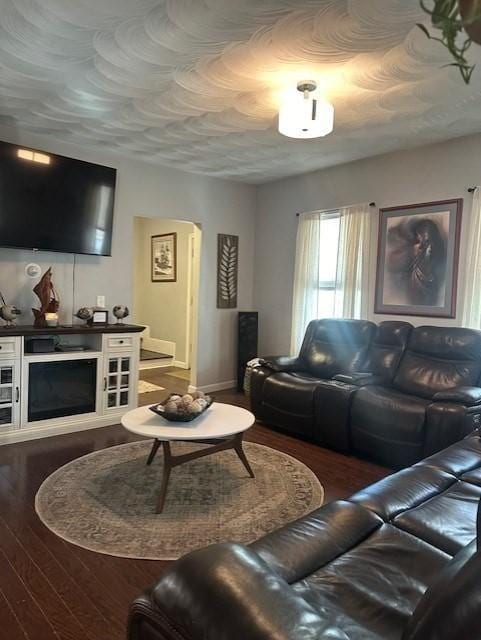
{"x": 153, "y": 451}
{"x": 240, "y": 452}
{"x": 165, "y": 476}
{"x": 171, "y": 461}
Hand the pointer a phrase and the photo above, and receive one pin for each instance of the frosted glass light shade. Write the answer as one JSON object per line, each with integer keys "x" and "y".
{"x": 303, "y": 116}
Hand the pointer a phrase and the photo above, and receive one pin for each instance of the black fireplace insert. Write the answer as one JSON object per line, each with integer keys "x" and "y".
{"x": 61, "y": 388}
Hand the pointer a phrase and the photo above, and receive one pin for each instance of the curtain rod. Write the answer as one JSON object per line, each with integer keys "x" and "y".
{"x": 371, "y": 204}
{"x": 472, "y": 189}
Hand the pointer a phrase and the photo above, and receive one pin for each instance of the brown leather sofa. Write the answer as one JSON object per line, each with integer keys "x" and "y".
{"x": 393, "y": 393}
{"x": 396, "y": 561}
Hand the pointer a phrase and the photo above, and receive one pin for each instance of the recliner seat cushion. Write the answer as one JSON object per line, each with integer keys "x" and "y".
{"x": 388, "y": 425}
{"x": 289, "y": 398}
{"x": 370, "y": 591}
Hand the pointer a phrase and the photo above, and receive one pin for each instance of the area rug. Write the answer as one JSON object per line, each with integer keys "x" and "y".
{"x": 148, "y": 387}
{"x": 105, "y": 501}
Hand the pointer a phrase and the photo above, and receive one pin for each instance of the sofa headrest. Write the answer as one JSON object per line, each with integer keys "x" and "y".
{"x": 352, "y": 332}
{"x": 387, "y": 348}
{"x": 334, "y": 346}
{"x": 450, "y": 343}
{"x": 392, "y": 333}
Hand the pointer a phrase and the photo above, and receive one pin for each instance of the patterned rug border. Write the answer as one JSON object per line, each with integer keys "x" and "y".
{"x": 98, "y": 452}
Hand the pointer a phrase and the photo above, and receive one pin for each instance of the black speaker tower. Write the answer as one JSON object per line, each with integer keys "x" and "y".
{"x": 247, "y": 329}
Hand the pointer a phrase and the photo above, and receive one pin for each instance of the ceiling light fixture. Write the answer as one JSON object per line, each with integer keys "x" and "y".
{"x": 304, "y": 115}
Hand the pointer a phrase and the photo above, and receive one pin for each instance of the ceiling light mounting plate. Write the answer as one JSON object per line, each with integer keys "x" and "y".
{"x": 306, "y": 85}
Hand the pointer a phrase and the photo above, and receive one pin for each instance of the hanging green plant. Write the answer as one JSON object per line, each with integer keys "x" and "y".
{"x": 453, "y": 18}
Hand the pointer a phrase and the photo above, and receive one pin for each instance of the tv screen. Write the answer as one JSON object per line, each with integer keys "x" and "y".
{"x": 54, "y": 203}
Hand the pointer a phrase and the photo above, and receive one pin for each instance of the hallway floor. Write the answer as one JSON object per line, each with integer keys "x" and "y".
{"x": 172, "y": 379}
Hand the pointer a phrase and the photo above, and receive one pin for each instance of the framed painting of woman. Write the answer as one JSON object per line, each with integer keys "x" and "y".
{"x": 417, "y": 262}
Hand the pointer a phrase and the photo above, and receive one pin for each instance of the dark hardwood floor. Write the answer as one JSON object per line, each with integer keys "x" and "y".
{"x": 50, "y": 589}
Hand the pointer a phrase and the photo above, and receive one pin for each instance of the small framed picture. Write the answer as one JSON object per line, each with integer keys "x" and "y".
{"x": 418, "y": 252}
{"x": 101, "y": 316}
{"x": 164, "y": 258}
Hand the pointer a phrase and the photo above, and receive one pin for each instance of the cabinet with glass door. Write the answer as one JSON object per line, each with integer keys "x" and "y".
{"x": 9, "y": 395}
{"x": 118, "y": 381}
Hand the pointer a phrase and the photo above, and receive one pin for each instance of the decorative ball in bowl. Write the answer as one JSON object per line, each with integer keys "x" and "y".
{"x": 184, "y": 408}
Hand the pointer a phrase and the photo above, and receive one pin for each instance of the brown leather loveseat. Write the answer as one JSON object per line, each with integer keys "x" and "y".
{"x": 391, "y": 392}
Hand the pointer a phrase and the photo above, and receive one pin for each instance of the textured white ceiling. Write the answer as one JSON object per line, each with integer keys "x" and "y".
{"x": 196, "y": 83}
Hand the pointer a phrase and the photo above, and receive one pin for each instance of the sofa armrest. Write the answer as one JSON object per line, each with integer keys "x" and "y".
{"x": 281, "y": 364}
{"x": 468, "y": 396}
{"x": 224, "y": 592}
{"x": 360, "y": 379}
{"x": 448, "y": 422}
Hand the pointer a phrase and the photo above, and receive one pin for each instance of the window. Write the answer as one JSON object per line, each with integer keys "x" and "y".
{"x": 328, "y": 250}
{"x": 331, "y": 273}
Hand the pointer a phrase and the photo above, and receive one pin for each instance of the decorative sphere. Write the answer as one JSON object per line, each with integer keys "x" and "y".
{"x": 187, "y": 398}
{"x": 194, "y": 407}
{"x": 120, "y": 311}
{"x": 170, "y": 407}
{"x": 85, "y": 313}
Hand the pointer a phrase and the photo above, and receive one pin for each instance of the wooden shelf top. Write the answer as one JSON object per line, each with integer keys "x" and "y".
{"x": 84, "y": 329}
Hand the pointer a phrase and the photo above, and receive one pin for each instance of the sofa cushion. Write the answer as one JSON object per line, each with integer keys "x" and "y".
{"x": 303, "y": 546}
{"x": 336, "y": 346}
{"x": 439, "y": 358}
{"x": 447, "y": 521}
{"x": 388, "y": 425}
{"x": 370, "y": 591}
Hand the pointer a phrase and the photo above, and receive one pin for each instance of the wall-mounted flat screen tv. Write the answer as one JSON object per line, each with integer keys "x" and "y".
{"x": 52, "y": 203}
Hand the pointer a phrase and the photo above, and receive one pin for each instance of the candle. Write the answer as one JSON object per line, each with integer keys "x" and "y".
{"x": 51, "y": 319}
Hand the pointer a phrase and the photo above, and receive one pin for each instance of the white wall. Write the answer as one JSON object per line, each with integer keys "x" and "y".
{"x": 163, "y": 306}
{"x": 428, "y": 173}
{"x": 435, "y": 172}
{"x": 147, "y": 190}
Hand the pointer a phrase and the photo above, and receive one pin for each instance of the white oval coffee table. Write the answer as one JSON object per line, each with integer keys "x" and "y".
{"x": 222, "y": 426}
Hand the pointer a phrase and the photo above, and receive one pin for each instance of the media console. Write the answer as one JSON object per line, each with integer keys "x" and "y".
{"x": 92, "y": 382}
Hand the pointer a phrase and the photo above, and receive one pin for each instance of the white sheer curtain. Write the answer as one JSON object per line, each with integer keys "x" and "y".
{"x": 472, "y": 289}
{"x": 353, "y": 262}
{"x": 306, "y": 276}
{"x": 350, "y": 284}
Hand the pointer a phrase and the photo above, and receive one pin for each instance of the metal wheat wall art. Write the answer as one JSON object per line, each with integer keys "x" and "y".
{"x": 227, "y": 268}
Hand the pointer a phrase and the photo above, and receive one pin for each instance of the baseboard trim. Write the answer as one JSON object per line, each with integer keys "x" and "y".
{"x": 217, "y": 386}
{"x": 35, "y": 433}
{"x": 161, "y": 346}
{"x": 155, "y": 364}
{"x": 180, "y": 364}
